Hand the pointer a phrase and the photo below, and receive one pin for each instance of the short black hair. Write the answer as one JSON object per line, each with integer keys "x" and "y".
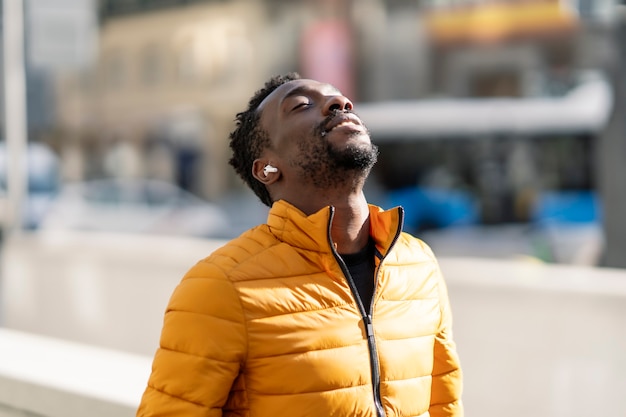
{"x": 248, "y": 139}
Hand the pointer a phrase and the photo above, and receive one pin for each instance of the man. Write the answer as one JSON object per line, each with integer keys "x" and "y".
{"x": 326, "y": 310}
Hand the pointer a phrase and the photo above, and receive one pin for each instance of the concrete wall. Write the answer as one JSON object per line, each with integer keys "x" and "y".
{"x": 47, "y": 377}
{"x": 102, "y": 289}
{"x": 534, "y": 339}
{"x": 539, "y": 340}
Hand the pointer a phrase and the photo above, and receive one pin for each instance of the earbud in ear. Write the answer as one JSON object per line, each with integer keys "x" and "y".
{"x": 268, "y": 168}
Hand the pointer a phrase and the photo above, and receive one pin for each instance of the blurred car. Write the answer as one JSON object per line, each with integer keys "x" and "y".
{"x": 134, "y": 206}
{"x": 42, "y": 168}
{"x": 434, "y": 207}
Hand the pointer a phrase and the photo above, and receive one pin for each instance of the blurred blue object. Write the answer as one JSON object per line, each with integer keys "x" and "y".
{"x": 134, "y": 206}
{"x": 43, "y": 178}
{"x": 579, "y": 206}
{"x": 427, "y": 207}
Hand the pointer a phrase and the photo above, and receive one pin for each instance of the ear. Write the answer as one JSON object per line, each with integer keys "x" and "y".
{"x": 268, "y": 178}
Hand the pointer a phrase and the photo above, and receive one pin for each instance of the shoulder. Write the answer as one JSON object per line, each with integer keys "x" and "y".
{"x": 411, "y": 248}
{"x": 235, "y": 254}
{"x": 209, "y": 286}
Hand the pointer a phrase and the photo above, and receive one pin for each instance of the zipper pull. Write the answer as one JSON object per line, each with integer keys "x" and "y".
{"x": 369, "y": 327}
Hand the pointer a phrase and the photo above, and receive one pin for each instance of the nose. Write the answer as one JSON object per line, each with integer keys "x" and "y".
{"x": 337, "y": 103}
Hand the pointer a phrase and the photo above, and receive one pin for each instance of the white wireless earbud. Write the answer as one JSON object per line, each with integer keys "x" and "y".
{"x": 268, "y": 168}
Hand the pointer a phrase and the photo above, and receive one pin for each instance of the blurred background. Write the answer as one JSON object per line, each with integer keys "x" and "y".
{"x": 501, "y": 131}
{"x": 494, "y": 118}
{"x": 499, "y": 122}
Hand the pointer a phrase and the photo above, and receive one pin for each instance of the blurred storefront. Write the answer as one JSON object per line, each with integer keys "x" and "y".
{"x": 169, "y": 77}
{"x": 502, "y": 48}
{"x": 163, "y": 92}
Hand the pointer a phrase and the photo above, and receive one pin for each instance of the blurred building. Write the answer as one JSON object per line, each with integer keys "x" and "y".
{"x": 169, "y": 77}
{"x": 170, "y": 74}
{"x": 514, "y": 48}
{"x": 161, "y": 97}
{"x": 489, "y": 54}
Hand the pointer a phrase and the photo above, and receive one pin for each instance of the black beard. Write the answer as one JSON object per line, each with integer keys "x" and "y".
{"x": 353, "y": 158}
{"x": 324, "y": 166}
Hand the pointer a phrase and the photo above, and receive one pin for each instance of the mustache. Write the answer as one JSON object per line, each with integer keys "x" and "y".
{"x": 320, "y": 128}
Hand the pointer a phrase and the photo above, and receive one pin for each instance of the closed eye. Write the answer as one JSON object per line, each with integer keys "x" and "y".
{"x": 301, "y": 102}
{"x": 301, "y": 105}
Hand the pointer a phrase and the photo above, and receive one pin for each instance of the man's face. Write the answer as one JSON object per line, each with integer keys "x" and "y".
{"x": 315, "y": 134}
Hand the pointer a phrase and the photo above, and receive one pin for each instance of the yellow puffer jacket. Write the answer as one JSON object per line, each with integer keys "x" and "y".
{"x": 268, "y": 326}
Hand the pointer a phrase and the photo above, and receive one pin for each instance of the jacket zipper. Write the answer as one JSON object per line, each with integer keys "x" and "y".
{"x": 367, "y": 318}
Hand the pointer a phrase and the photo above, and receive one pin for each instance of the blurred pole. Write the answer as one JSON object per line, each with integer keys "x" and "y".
{"x": 15, "y": 112}
{"x": 612, "y": 155}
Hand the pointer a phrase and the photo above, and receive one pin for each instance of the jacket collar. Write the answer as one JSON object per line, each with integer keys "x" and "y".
{"x": 292, "y": 226}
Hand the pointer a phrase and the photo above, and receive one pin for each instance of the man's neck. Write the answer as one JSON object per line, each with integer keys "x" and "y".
{"x": 350, "y": 227}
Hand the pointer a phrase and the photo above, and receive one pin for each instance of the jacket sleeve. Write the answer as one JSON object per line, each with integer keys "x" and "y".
{"x": 447, "y": 382}
{"x": 201, "y": 348}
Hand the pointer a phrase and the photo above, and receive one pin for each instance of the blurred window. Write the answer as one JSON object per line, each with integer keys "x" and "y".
{"x": 151, "y": 66}
{"x": 115, "y": 71}
{"x": 240, "y": 51}
{"x": 186, "y": 65}
{"x": 496, "y": 83}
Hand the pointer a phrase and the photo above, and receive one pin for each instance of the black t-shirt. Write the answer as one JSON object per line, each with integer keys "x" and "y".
{"x": 362, "y": 267}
